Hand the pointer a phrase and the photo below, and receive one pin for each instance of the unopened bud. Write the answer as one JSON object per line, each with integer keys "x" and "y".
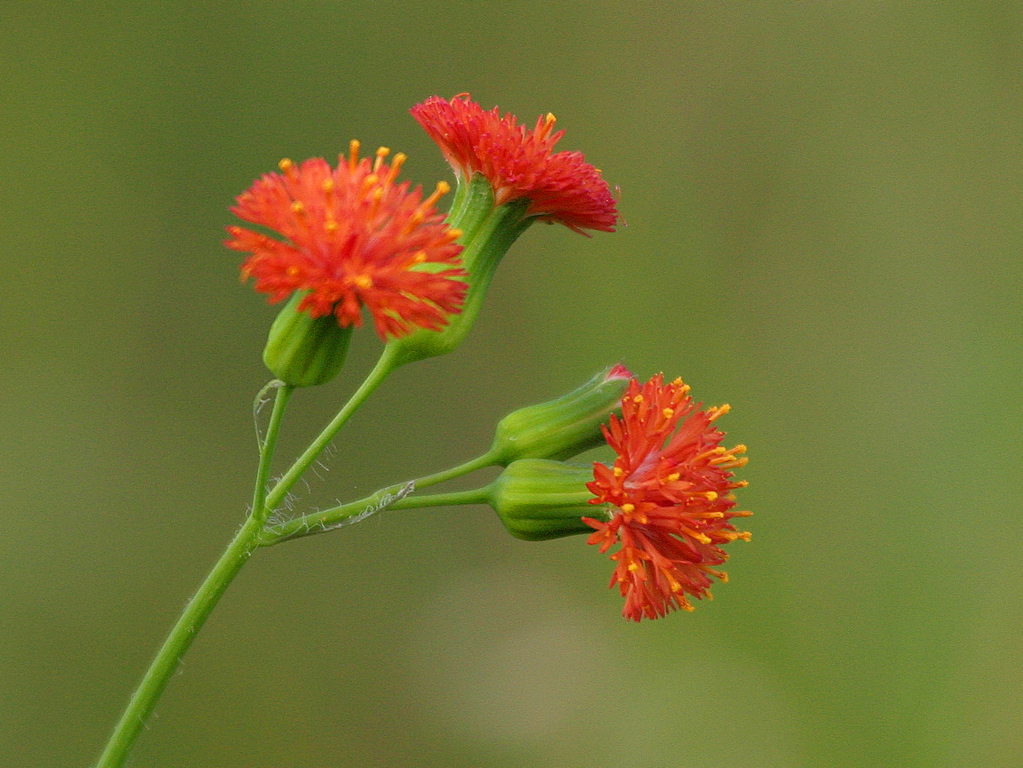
{"x": 562, "y": 428}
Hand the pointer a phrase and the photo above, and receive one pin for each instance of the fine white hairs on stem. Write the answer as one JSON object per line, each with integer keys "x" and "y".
{"x": 262, "y": 398}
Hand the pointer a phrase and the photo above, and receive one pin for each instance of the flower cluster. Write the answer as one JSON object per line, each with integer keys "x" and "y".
{"x": 520, "y": 163}
{"x": 671, "y": 498}
{"x": 354, "y": 238}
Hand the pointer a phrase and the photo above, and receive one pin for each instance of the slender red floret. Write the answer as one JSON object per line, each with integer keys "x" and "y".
{"x": 518, "y": 163}
{"x": 353, "y": 238}
{"x": 671, "y": 498}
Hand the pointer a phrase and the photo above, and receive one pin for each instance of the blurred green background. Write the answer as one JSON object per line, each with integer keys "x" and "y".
{"x": 823, "y": 204}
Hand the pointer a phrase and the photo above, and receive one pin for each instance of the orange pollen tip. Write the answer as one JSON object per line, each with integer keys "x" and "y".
{"x": 328, "y": 185}
{"x": 668, "y": 412}
{"x": 293, "y": 271}
{"x": 740, "y": 514}
{"x": 363, "y": 281}
{"x": 285, "y": 165}
{"x": 628, "y": 508}
{"x": 673, "y": 477}
{"x": 711, "y": 495}
{"x": 637, "y": 399}
{"x": 678, "y": 382}
{"x": 420, "y": 257}
{"x": 740, "y": 448}
{"x": 297, "y": 207}
{"x": 443, "y": 187}
{"x": 702, "y": 538}
{"x": 353, "y": 152}
{"x": 633, "y": 567}
{"x": 330, "y": 225}
{"x": 687, "y": 606}
{"x": 455, "y": 233}
{"x": 617, "y": 471}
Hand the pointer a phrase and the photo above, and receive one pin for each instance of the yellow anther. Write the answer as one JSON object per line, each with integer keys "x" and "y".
{"x": 382, "y": 152}
{"x": 673, "y": 477}
{"x": 363, "y": 281}
{"x": 285, "y": 165}
{"x": 353, "y": 153}
{"x": 637, "y": 399}
{"x": 330, "y": 226}
{"x": 740, "y": 448}
{"x": 297, "y": 207}
{"x": 617, "y": 471}
{"x": 668, "y": 412}
{"x": 442, "y": 189}
{"x": 454, "y": 233}
{"x": 628, "y": 508}
{"x": 419, "y": 258}
{"x": 396, "y": 163}
{"x": 327, "y": 186}
{"x": 678, "y": 382}
{"x": 293, "y": 271}
{"x": 711, "y": 495}
{"x": 719, "y": 411}
{"x": 633, "y": 567}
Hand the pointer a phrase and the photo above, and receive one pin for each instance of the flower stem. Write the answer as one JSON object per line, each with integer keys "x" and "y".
{"x": 393, "y": 497}
{"x": 386, "y": 498}
{"x": 487, "y": 459}
{"x": 199, "y": 607}
{"x": 383, "y": 368}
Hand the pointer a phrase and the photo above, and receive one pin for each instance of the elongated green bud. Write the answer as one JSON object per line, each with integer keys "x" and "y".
{"x": 562, "y": 428}
{"x": 538, "y": 499}
{"x": 302, "y": 350}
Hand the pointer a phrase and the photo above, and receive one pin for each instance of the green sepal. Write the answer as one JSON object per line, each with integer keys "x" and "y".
{"x": 561, "y": 428}
{"x": 305, "y": 351}
{"x": 488, "y": 231}
{"x": 538, "y": 499}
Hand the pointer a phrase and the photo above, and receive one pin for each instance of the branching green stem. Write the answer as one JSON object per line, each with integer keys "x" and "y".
{"x": 394, "y": 497}
{"x": 385, "y": 365}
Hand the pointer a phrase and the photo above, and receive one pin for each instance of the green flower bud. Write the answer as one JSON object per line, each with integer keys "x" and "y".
{"x": 538, "y": 499}
{"x": 562, "y": 428}
{"x": 302, "y": 350}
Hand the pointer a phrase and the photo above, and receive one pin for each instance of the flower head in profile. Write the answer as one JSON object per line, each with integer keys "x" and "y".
{"x": 670, "y": 494}
{"x": 519, "y": 163}
{"x": 353, "y": 237}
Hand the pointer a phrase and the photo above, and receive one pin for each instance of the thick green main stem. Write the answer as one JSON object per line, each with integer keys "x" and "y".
{"x": 142, "y": 702}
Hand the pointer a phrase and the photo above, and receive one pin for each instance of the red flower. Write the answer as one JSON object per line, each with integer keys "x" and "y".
{"x": 561, "y": 186}
{"x": 353, "y": 238}
{"x": 671, "y": 496}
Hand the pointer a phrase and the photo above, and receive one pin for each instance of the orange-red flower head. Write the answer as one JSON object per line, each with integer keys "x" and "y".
{"x": 353, "y": 238}
{"x": 519, "y": 163}
{"x": 671, "y": 498}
